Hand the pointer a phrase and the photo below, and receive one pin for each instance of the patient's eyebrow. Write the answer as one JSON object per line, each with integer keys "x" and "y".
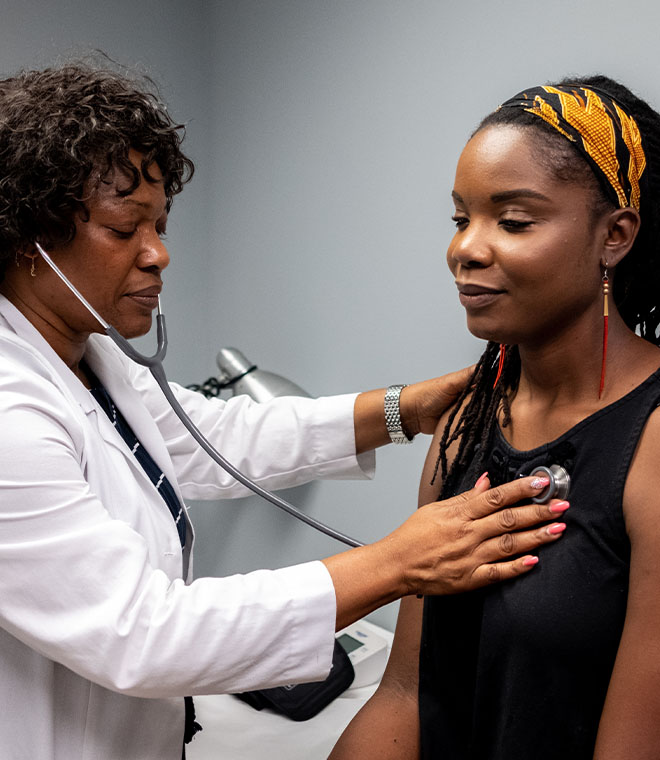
{"x": 509, "y": 195}
{"x": 522, "y": 192}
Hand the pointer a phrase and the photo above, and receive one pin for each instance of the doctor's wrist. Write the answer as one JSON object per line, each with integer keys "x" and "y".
{"x": 409, "y": 420}
{"x": 369, "y": 421}
{"x": 380, "y": 420}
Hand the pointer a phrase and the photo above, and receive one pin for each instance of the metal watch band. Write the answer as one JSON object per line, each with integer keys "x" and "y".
{"x": 393, "y": 415}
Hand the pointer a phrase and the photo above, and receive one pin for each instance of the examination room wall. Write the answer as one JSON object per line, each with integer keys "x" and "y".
{"x": 313, "y": 235}
{"x": 335, "y": 132}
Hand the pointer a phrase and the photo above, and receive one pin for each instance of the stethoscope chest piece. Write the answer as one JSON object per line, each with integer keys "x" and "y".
{"x": 560, "y": 482}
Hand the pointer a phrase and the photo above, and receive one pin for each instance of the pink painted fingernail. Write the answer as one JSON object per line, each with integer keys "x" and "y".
{"x": 556, "y": 528}
{"x": 482, "y": 478}
{"x": 561, "y": 506}
{"x": 529, "y": 561}
{"x": 540, "y": 483}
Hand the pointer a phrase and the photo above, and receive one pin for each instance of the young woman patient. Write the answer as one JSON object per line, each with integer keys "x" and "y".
{"x": 556, "y": 258}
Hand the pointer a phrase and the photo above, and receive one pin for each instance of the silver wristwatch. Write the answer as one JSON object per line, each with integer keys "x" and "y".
{"x": 393, "y": 415}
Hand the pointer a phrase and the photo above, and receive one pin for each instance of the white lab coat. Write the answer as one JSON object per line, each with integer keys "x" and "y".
{"x": 100, "y": 635}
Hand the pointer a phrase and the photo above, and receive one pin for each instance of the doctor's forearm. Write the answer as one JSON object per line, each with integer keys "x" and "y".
{"x": 369, "y": 420}
{"x": 364, "y": 579}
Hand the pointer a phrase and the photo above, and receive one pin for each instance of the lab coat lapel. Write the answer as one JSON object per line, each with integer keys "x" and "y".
{"x": 26, "y": 330}
{"x": 103, "y": 363}
{"x": 129, "y": 402}
{"x": 70, "y": 384}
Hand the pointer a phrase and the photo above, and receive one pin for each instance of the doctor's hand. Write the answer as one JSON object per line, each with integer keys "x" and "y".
{"x": 448, "y": 547}
{"x": 420, "y": 406}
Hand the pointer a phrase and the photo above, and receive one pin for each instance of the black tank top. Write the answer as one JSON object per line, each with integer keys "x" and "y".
{"x": 521, "y": 669}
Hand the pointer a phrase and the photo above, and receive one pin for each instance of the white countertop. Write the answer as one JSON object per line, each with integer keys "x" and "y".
{"x": 235, "y": 731}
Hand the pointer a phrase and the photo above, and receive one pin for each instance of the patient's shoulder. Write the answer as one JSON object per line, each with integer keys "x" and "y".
{"x": 641, "y": 503}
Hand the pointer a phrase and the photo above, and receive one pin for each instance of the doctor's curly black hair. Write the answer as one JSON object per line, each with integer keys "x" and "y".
{"x": 62, "y": 131}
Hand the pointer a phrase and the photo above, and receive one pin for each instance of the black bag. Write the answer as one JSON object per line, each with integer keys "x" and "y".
{"x": 304, "y": 700}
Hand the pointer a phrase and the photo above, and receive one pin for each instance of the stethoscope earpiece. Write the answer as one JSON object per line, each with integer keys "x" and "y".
{"x": 560, "y": 483}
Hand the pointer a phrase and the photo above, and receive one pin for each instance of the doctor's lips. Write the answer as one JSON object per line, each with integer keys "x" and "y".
{"x": 476, "y": 295}
{"x": 147, "y": 296}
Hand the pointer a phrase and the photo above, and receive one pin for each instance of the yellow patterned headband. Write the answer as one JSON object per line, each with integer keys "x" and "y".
{"x": 603, "y": 132}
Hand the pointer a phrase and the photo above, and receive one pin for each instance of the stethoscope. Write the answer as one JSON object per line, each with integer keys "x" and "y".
{"x": 559, "y": 486}
{"x": 155, "y": 365}
{"x": 559, "y": 478}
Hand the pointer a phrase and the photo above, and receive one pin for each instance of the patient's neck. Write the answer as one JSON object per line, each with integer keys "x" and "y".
{"x": 560, "y": 379}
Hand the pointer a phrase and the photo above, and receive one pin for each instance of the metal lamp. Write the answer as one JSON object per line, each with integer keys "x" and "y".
{"x": 243, "y": 377}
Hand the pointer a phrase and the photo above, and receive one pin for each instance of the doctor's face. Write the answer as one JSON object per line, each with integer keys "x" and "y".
{"x": 115, "y": 259}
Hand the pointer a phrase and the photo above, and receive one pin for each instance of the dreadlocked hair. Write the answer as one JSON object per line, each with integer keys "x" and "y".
{"x": 480, "y": 402}
{"x": 636, "y": 282}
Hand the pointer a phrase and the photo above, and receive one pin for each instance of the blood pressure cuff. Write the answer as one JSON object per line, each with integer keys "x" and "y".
{"x": 305, "y": 700}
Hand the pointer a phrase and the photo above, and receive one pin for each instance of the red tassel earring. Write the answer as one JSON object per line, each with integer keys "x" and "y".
{"x": 500, "y": 364}
{"x": 606, "y": 290}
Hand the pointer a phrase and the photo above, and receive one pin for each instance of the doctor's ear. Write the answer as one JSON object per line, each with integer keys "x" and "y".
{"x": 621, "y": 228}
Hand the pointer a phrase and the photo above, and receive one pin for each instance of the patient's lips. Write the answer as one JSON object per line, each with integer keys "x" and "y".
{"x": 474, "y": 296}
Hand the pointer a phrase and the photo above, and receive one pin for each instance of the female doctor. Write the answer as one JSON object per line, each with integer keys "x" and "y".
{"x": 102, "y": 631}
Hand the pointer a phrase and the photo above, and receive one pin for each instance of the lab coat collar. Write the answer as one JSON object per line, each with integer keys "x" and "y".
{"x": 25, "y": 330}
{"x": 105, "y": 363}
{"x": 120, "y": 391}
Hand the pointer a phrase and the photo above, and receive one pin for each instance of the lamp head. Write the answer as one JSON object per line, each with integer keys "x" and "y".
{"x": 243, "y": 377}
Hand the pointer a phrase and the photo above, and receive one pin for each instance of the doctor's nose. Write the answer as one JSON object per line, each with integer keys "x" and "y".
{"x": 154, "y": 254}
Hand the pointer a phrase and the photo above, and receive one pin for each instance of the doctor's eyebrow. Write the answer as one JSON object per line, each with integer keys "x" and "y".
{"x": 145, "y": 205}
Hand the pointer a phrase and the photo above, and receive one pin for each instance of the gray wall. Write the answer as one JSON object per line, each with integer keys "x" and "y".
{"x": 313, "y": 236}
{"x": 336, "y": 129}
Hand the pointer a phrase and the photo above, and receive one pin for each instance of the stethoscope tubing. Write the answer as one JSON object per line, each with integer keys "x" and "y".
{"x": 154, "y": 364}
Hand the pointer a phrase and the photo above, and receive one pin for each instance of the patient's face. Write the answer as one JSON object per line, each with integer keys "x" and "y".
{"x": 525, "y": 256}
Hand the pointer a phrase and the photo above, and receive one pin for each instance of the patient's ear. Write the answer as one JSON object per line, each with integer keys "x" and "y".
{"x": 620, "y": 230}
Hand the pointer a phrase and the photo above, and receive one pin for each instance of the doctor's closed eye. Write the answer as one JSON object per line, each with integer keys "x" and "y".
{"x": 123, "y": 234}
